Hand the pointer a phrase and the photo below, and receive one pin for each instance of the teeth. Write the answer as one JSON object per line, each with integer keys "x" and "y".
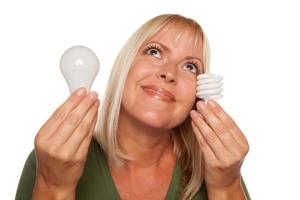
{"x": 209, "y": 86}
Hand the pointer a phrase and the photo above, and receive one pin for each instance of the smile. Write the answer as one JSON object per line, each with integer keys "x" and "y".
{"x": 159, "y": 93}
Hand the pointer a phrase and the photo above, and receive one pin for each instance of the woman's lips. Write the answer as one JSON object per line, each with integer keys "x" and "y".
{"x": 159, "y": 93}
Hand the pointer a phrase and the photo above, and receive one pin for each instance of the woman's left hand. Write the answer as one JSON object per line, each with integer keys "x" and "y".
{"x": 222, "y": 143}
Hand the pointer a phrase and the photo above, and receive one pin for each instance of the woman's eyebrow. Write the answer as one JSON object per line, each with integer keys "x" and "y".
{"x": 167, "y": 49}
{"x": 192, "y": 57}
{"x": 162, "y": 45}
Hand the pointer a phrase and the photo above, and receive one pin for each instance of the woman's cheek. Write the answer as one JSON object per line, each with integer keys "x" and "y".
{"x": 189, "y": 95}
{"x": 189, "y": 88}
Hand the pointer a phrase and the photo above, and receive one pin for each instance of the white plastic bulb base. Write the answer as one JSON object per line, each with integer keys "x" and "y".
{"x": 209, "y": 86}
{"x": 79, "y": 66}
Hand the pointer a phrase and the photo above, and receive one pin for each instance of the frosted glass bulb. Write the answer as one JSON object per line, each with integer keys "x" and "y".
{"x": 209, "y": 86}
{"x": 80, "y": 66}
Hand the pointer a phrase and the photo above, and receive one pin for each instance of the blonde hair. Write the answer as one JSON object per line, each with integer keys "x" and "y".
{"x": 185, "y": 142}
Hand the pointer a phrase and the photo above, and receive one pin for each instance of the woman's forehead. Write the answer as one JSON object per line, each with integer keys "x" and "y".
{"x": 179, "y": 35}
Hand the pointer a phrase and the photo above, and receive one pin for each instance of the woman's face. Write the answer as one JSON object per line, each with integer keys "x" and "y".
{"x": 161, "y": 85}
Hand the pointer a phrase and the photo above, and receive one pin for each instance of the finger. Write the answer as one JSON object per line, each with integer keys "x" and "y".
{"x": 62, "y": 111}
{"x": 208, "y": 154}
{"x": 84, "y": 146}
{"x": 219, "y": 129}
{"x": 229, "y": 122}
{"x": 73, "y": 119}
{"x": 76, "y": 138}
{"x": 213, "y": 141}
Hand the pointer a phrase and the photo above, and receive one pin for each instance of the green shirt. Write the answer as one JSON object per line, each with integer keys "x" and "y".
{"x": 96, "y": 181}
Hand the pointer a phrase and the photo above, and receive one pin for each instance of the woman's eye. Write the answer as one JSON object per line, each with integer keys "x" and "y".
{"x": 191, "y": 67}
{"x": 154, "y": 52}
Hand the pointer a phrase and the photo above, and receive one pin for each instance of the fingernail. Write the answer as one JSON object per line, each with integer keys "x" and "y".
{"x": 212, "y": 103}
{"x": 80, "y": 91}
{"x": 195, "y": 114}
{"x": 93, "y": 95}
{"x": 201, "y": 104}
{"x": 97, "y": 103}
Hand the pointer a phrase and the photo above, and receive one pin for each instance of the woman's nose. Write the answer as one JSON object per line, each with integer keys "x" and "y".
{"x": 167, "y": 76}
{"x": 168, "y": 73}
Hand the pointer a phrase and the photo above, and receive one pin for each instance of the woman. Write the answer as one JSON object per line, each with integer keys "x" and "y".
{"x": 153, "y": 138}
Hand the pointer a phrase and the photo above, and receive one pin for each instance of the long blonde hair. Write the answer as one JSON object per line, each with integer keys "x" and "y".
{"x": 185, "y": 142}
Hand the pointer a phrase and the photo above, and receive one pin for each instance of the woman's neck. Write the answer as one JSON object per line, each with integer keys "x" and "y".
{"x": 146, "y": 146}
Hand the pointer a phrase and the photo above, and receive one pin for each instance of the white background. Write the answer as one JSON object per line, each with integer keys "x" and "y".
{"x": 255, "y": 47}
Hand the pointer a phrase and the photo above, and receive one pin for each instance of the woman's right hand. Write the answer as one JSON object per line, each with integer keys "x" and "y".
{"x": 62, "y": 144}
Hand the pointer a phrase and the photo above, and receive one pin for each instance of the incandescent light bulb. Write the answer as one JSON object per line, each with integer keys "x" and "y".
{"x": 80, "y": 66}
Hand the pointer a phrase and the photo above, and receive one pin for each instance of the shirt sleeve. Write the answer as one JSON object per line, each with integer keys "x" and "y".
{"x": 27, "y": 179}
{"x": 245, "y": 189}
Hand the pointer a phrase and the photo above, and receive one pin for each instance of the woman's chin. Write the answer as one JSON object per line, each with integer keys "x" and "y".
{"x": 157, "y": 120}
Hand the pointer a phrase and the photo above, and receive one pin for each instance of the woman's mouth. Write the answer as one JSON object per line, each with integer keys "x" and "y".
{"x": 159, "y": 93}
